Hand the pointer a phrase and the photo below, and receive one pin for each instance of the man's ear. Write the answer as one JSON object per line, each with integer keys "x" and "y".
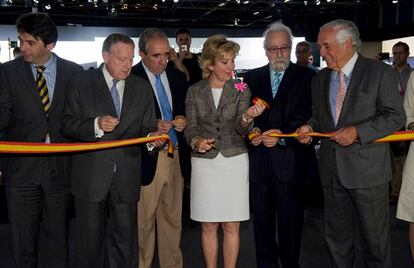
{"x": 50, "y": 46}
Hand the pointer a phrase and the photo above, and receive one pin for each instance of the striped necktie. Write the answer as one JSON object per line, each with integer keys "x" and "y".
{"x": 42, "y": 87}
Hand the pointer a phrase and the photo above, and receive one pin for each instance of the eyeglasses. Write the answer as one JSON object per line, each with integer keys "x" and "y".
{"x": 275, "y": 50}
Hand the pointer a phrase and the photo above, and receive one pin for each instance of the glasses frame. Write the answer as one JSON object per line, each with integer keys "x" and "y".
{"x": 276, "y": 50}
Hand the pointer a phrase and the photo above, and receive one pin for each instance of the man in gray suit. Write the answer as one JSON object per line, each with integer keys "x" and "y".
{"x": 32, "y": 90}
{"x": 108, "y": 104}
{"x": 358, "y": 99}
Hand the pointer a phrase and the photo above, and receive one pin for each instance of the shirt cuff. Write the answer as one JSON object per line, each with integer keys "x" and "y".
{"x": 98, "y": 132}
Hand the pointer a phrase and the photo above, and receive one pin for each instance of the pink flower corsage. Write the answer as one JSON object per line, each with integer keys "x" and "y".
{"x": 240, "y": 86}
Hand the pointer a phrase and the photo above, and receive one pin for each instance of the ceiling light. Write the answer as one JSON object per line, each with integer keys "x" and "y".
{"x": 286, "y": 1}
{"x": 175, "y": 1}
{"x": 238, "y": 1}
{"x": 394, "y": 1}
{"x": 221, "y": 4}
{"x": 318, "y": 2}
{"x": 256, "y": 13}
{"x": 305, "y": 3}
{"x": 246, "y": 2}
{"x": 48, "y": 7}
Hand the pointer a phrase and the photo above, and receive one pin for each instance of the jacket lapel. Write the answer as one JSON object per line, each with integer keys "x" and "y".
{"x": 102, "y": 92}
{"x": 26, "y": 75}
{"x": 128, "y": 98}
{"x": 356, "y": 75}
{"x": 227, "y": 94}
{"x": 205, "y": 90}
{"x": 326, "y": 81}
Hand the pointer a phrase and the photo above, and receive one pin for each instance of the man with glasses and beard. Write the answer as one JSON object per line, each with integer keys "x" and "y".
{"x": 276, "y": 165}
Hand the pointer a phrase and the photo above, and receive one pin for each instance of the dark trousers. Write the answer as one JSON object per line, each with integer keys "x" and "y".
{"x": 91, "y": 222}
{"x": 272, "y": 199}
{"x": 43, "y": 201}
{"x": 349, "y": 209}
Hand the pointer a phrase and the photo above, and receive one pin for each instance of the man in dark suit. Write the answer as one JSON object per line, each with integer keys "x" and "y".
{"x": 358, "y": 99}
{"x": 108, "y": 104}
{"x": 32, "y": 89}
{"x": 276, "y": 166}
{"x": 161, "y": 200}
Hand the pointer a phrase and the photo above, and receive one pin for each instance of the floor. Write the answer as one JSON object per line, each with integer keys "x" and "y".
{"x": 313, "y": 253}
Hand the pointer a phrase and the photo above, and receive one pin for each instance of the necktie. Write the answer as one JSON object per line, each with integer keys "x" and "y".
{"x": 115, "y": 97}
{"x": 165, "y": 107}
{"x": 340, "y": 96}
{"x": 42, "y": 87}
{"x": 276, "y": 83}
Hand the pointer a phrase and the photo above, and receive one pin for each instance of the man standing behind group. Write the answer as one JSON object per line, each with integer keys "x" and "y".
{"x": 32, "y": 89}
{"x": 358, "y": 99}
{"x": 400, "y": 53}
{"x": 276, "y": 167}
{"x": 185, "y": 60}
{"x": 108, "y": 104}
{"x": 303, "y": 54}
{"x": 161, "y": 201}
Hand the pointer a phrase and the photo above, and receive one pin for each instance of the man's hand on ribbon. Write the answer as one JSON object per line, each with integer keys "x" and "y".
{"x": 179, "y": 123}
{"x": 345, "y": 136}
{"x": 257, "y": 137}
{"x": 301, "y": 131}
{"x": 270, "y": 141}
{"x": 157, "y": 143}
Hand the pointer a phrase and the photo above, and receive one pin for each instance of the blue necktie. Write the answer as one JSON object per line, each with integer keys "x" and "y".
{"x": 165, "y": 107}
{"x": 276, "y": 83}
{"x": 116, "y": 98}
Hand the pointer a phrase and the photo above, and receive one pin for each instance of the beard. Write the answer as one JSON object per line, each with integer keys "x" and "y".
{"x": 279, "y": 64}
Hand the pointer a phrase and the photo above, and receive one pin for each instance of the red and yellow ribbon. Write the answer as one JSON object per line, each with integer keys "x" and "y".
{"x": 396, "y": 136}
{"x": 42, "y": 148}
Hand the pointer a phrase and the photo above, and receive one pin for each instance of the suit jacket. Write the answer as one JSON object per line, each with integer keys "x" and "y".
{"x": 93, "y": 172}
{"x": 372, "y": 104}
{"x": 178, "y": 86}
{"x": 290, "y": 109}
{"x": 23, "y": 117}
{"x": 222, "y": 123}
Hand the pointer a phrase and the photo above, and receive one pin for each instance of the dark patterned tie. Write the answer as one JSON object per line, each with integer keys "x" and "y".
{"x": 42, "y": 87}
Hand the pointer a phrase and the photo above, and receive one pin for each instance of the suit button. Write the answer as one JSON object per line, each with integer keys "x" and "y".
{"x": 218, "y": 129}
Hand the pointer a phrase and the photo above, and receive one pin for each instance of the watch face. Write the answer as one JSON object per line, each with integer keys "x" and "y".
{"x": 184, "y": 48}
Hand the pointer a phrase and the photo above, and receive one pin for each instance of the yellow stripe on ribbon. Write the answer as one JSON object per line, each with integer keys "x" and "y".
{"x": 42, "y": 148}
{"x": 396, "y": 136}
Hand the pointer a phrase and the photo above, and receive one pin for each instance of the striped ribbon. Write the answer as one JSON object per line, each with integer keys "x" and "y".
{"x": 396, "y": 136}
{"x": 42, "y": 148}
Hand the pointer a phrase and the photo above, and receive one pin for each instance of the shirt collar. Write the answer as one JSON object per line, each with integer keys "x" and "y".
{"x": 109, "y": 79}
{"x": 349, "y": 66}
{"x": 49, "y": 64}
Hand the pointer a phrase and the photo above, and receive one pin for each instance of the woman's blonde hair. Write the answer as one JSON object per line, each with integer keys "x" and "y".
{"x": 215, "y": 48}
